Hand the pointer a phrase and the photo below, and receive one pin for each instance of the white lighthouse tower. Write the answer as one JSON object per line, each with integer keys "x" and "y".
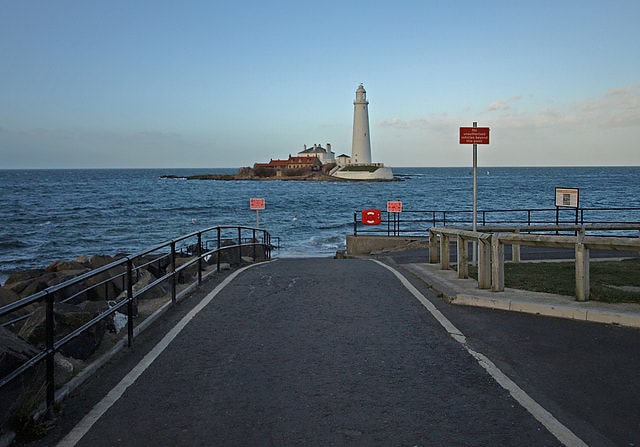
{"x": 359, "y": 166}
{"x": 361, "y": 143}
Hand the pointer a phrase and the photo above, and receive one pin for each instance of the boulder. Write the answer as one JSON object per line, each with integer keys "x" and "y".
{"x": 59, "y": 266}
{"x": 14, "y": 351}
{"x": 8, "y": 296}
{"x": 24, "y": 275}
{"x": 68, "y": 317}
{"x": 188, "y": 273}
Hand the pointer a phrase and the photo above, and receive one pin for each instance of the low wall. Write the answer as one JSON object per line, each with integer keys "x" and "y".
{"x": 366, "y": 245}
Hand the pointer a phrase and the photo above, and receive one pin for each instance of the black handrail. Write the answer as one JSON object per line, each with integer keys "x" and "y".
{"x": 125, "y": 268}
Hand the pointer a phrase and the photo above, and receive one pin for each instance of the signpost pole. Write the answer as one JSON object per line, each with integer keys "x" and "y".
{"x": 475, "y": 197}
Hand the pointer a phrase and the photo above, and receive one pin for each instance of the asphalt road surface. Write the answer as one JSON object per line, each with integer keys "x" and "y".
{"x": 340, "y": 352}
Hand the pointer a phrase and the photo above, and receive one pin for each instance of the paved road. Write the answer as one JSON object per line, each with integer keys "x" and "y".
{"x": 339, "y": 352}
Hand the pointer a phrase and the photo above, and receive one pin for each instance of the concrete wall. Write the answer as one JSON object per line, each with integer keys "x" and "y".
{"x": 365, "y": 245}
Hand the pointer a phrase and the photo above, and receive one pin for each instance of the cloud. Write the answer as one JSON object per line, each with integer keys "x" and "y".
{"x": 396, "y": 123}
{"x": 618, "y": 107}
{"x": 498, "y": 105}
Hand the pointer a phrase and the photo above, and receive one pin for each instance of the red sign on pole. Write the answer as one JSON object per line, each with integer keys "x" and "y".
{"x": 394, "y": 206}
{"x": 256, "y": 204}
{"x": 474, "y": 135}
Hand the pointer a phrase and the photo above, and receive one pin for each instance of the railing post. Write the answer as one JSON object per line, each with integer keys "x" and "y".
{"x": 484, "y": 261}
{"x": 444, "y": 251}
{"x": 497, "y": 266}
{"x": 239, "y": 246}
{"x": 174, "y": 278}
{"x": 254, "y": 245}
{"x": 355, "y": 223}
{"x": 199, "y": 257}
{"x": 218, "y": 251}
{"x": 582, "y": 269}
{"x": 463, "y": 258}
{"x": 49, "y": 342}
{"x": 131, "y": 309}
{"x": 433, "y": 246}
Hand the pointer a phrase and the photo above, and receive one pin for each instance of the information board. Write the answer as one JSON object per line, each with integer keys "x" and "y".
{"x": 567, "y": 197}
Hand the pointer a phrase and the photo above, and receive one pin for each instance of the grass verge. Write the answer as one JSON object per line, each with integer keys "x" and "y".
{"x": 611, "y": 281}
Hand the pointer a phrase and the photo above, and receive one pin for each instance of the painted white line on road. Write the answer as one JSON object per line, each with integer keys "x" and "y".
{"x": 112, "y": 397}
{"x": 554, "y": 426}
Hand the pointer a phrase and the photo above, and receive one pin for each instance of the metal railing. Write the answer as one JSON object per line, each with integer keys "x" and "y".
{"x": 172, "y": 261}
{"x": 416, "y": 222}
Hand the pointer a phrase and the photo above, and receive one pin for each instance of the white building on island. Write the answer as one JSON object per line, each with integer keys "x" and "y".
{"x": 359, "y": 165}
{"x": 325, "y": 155}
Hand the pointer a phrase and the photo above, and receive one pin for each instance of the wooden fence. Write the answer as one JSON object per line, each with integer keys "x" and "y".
{"x": 490, "y": 246}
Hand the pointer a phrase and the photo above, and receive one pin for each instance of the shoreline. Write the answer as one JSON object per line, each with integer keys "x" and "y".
{"x": 316, "y": 176}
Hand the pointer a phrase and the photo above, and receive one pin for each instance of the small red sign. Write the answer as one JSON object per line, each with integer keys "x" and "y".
{"x": 394, "y": 206}
{"x": 256, "y": 204}
{"x": 474, "y": 135}
{"x": 371, "y": 217}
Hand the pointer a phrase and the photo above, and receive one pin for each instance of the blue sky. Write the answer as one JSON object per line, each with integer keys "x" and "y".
{"x": 87, "y": 83}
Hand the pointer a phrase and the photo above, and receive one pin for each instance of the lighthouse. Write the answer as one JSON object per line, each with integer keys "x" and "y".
{"x": 361, "y": 143}
{"x": 359, "y": 165}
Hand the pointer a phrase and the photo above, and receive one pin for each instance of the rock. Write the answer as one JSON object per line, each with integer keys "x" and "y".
{"x": 68, "y": 317}
{"x": 98, "y": 261}
{"x": 22, "y": 276}
{"x": 8, "y": 296}
{"x": 143, "y": 279}
{"x": 14, "y": 351}
{"x": 59, "y": 266}
{"x": 110, "y": 289}
{"x": 188, "y": 273}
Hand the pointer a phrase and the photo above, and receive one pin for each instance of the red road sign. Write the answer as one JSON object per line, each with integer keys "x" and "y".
{"x": 394, "y": 206}
{"x": 371, "y": 216}
{"x": 256, "y": 204}
{"x": 474, "y": 135}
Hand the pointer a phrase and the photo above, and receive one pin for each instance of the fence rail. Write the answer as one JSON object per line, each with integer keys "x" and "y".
{"x": 187, "y": 253}
{"x": 417, "y": 222}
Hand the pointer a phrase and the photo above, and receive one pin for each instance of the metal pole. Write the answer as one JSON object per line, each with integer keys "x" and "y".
{"x": 475, "y": 196}
{"x": 49, "y": 344}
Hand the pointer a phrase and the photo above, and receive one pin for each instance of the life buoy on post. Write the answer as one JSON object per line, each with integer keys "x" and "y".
{"x": 371, "y": 216}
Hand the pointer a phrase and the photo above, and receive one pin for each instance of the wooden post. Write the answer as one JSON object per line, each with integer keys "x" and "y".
{"x": 463, "y": 258}
{"x": 497, "y": 266}
{"x": 484, "y": 262}
{"x": 444, "y": 251}
{"x": 515, "y": 250}
{"x": 433, "y": 247}
{"x": 582, "y": 269}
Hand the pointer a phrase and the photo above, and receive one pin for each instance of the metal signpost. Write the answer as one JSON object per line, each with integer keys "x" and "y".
{"x": 394, "y": 207}
{"x": 567, "y": 198}
{"x": 474, "y": 135}
{"x": 257, "y": 204}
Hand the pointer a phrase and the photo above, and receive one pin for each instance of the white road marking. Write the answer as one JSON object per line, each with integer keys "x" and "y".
{"x": 81, "y": 429}
{"x": 554, "y": 426}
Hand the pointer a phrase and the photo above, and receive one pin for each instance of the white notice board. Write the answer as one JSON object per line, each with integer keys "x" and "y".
{"x": 567, "y": 197}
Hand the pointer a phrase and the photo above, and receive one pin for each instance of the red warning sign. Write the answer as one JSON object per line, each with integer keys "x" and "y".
{"x": 394, "y": 206}
{"x": 371, "y": 216}
{"x": 474, "y": 135}
{"x": 256, "y": 204}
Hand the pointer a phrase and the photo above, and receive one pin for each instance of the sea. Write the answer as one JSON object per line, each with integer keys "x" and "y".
{"x": 49, "y": 215}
